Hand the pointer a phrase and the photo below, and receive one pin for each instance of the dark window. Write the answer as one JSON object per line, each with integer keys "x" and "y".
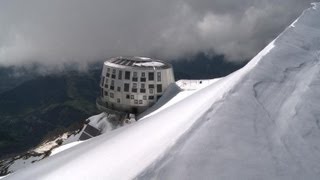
{"x": 112, "y": 85}
{"x": 128, "y": 96}
{"x": 127, "y": 75}
{"x": 151, "y": 76}
{"x": 151, "y": 86}
{"x": 158, "y": 76}
{"x": 159, "y": 88}
{"x": 151, "y": 97}
{"x": 135, "y": 76}
{"x": 143, "y": 79}
{"x": 140, "y": 101}
{"x": 120, "y": 74}
{"x": 106, "y": 93}
{"x": 134, "y": 79}
{"x": 126, "y": 87}
{"x": 134, "y": 87}
{"x": 158, "y": 97}
{"x": 118, "y": 100}
{"x": 106, "y": 86}
{"x": 113, "y": 76}
{"x": 143, "y": 88}
{"x": 132, "y": 96}
{"x": 102, "y": 81}
{"x": 119, "y": 89}
{"x": 134, "y": 90}
{"x": 108, "y": 72}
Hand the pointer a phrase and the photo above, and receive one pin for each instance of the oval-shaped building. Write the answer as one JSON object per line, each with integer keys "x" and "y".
{"x": 132, "y": 84}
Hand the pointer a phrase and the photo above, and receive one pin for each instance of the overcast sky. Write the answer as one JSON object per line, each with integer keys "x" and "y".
{"x": 57, "y": 31}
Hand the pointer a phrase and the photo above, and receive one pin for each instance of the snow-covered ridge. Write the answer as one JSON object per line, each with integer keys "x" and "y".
{"x": 261, "y": 122}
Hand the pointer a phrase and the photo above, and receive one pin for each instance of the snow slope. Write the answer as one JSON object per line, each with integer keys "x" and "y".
{"x": 261, "y": 122}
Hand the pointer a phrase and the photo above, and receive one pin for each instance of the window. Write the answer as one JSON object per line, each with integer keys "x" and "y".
{"x": 102, "y": 81}
{"x": 151, "y": 91}
{"x": 151, "y": 76}
{"x": 120, "y": 75}
{"x": 113, "y": 76}
{"x": 143, "y": 77}
{"x": 118, "y": 100}
{"x": 127, "y": 75}
{"x": 134, "y": 87}
{"x": 106, "y": 93}
{"x": 158, "y": 97}
{"x": 112, "y": 85}
{"x": 108, "y": 72}
{"x": 158, "y": 76}
{"x": 151, "y": 97}
{"x": 132, "y": 96}
{"x": 140, "y": 101}
{"x": 135, "y": 77}
{"x": 142, "y": 90}
{"x": 128, "y": 96}
{"x": 111, "y": 95}
{"x": 151, "y": 86}
{"x": 144, "y": 97}
{"x": 136, "y": 101}
{"x": 159, "y": 88}
{"x": 126, "y": 87}
{"x": 106, "y": 84}
{"x": 119, "y": 89}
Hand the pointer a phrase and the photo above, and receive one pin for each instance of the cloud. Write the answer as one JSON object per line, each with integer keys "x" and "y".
{"x": 57, "y": 32}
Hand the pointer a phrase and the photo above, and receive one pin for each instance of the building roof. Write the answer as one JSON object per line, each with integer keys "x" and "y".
{"x": 137, "y": 62}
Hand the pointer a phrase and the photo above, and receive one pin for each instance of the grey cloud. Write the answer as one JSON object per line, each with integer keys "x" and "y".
{"x": 57, "y": 32}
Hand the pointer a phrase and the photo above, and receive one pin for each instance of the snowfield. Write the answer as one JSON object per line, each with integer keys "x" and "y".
{"x": 261, "y": 122}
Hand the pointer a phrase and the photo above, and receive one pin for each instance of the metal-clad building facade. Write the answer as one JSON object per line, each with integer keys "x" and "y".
{"x": 132, "y": 84}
